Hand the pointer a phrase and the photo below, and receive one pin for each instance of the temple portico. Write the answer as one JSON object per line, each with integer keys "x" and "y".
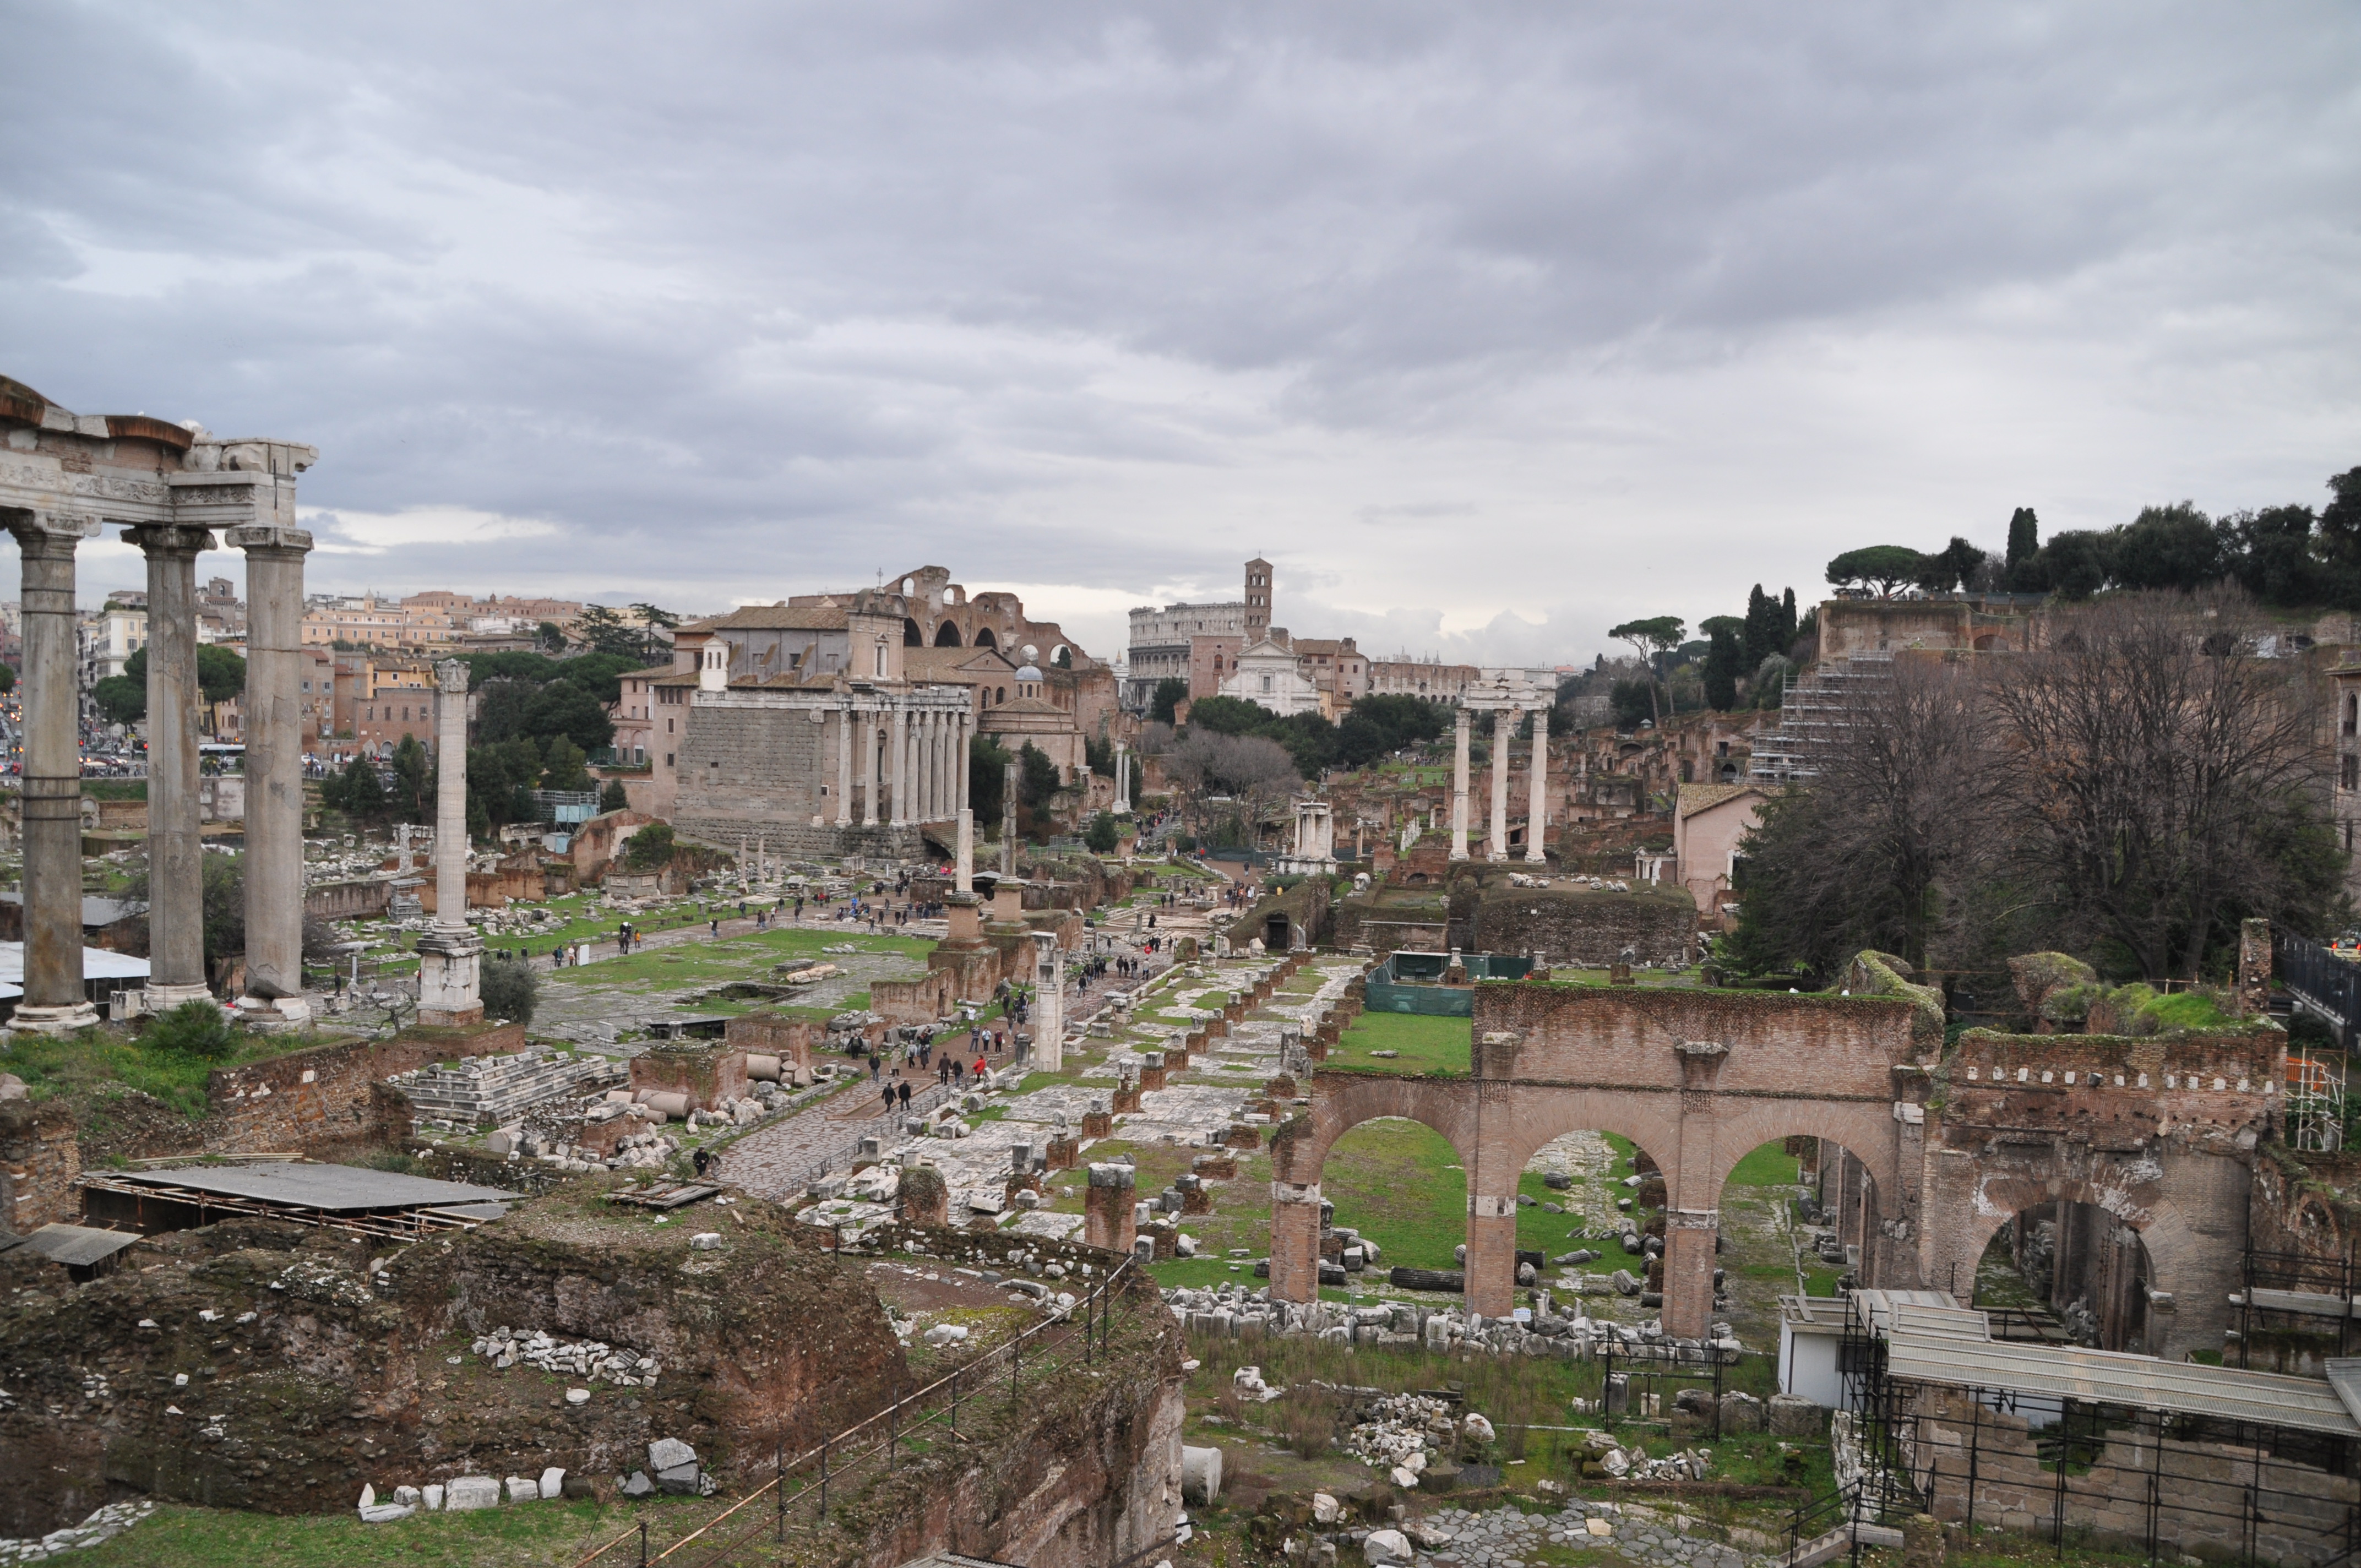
{"x": 170, "y": 487}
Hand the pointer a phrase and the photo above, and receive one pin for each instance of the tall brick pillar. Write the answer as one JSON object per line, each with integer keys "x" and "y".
{"x": 1692, "y": 1217}
{"x": 1294, "y": 1240}
{"x": 1108, "y": 1221}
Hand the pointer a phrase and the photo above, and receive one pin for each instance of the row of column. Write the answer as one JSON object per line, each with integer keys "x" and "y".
{"x": 1504, "y": 728}
{"x": 53, "y": 1000}
{"x": 912, "y": 763}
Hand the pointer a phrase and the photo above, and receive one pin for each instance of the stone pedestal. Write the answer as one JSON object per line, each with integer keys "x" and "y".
{"x": 1108, "y": 1221}
{"x": 51, "y": 798}
{"x": 1151, "y": 1070}
{"x": 1098, "y": 1122}
{"x": 1062, "y": 1153}
{"x": 1126, "y": 1098}
{"x": 450, "y": 978}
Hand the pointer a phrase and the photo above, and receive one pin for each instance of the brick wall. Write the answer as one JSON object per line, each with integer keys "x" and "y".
{"x": 1585, "y": 928}
{"x": 40, "y": 1161}
{"x": 320, "y": 1102}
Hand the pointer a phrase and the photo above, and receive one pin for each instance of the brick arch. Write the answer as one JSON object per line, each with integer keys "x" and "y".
{"x": 1338, "y": 1108}
{"x": 2164, "y": 1230}
{"x": 1866, "y": 1132}
{"x": 1539, "y": 1116}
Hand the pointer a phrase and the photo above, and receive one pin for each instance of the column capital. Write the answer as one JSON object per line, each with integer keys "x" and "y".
{"x": 40, "y": 526}
{"x": 451, "y": 677}
{"x": 270, "y": 536}
{"x": 168, "y": 538}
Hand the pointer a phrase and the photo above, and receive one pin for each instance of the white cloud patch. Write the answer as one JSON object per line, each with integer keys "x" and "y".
{"x": 378, "y": 534}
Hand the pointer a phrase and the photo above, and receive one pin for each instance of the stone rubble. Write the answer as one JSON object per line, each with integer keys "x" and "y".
{"x": 102, "y": 1526}
{"x": 1232, "y": 1310}
{"x": 587, "y": 1359}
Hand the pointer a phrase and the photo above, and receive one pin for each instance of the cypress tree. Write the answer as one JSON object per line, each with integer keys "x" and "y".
{"x": 2023, "y": 537}
{"x": 1787, "y": 621}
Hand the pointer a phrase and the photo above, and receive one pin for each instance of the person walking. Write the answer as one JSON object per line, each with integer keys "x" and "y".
{"x": 906, "y": 1095}
{"x": 703, "y": 1161}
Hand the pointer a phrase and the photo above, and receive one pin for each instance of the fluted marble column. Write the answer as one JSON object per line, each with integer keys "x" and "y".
{"x": 1504, "y": 730}
{"x": 1460, "y": 720}
{"x": 52, "y": 800}
{"x": 176, "y": 916}
{"x": 274, "y": 773}
{"x": 450, "y": 955}
{"x": 901, "y": 756}
{"x": 1537, "y": 789}
{"x": 1049, "y": 1003}
{"x": 868, "y": 731}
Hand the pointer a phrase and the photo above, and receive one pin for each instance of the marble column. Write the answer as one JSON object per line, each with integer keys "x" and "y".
{"x": 963, "y": 735}
{"x": 937, "y": 805}
{"x": 868, "y": 731}
{"x": 901, "y": 763}
{"x": 1537, "y": 790}
{"x": 844, "y": 767}
{"x": 1122, "y": 779}
{"x": 966, "y": 873}
{"x": 1460, "y": 719}
{"x": 274, "y": 773}
{"x": 176, "y": 878}
{"x": 50, "y": 687}
{"x": 1504, "y": 730}
{"x": 1049, "y": 1003}
{"x": 922, "y": 763}
{"x": 450, "y": 955}
{"x": 1009, "y": 777}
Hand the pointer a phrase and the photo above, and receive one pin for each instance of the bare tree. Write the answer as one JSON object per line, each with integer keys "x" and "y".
{"x": 2161, "y": 775}
{"x": 1892, "y": 832}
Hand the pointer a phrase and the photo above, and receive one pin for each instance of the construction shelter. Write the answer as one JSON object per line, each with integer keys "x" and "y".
{"x": 1938, "y": 1414}
{"x": 374, "y": 1202}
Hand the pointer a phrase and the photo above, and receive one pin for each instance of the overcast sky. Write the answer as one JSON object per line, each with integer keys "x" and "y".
{"x": 1490, "y": 325}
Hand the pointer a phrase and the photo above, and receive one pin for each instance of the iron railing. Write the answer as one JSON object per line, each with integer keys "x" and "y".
{"x": 2330, "y": 985}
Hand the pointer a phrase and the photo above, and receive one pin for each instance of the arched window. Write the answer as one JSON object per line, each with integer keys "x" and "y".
{"x": 911, "y": 636}
{"x": 946, "y": 635}
{"x": 881, "y": 656}
{"x": 985, "y": 638}
{"x": 1001, "y": 695}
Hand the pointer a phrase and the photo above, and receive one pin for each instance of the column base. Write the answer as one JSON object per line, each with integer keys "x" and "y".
{"x": 160, "y": 998}
{"x": 53, "y": 1020}
{"x": 1533, "y": 857}
{"x": 270, "y": 1014}
{"x": 450, "y": 978}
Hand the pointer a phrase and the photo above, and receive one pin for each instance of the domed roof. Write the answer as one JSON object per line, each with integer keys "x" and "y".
{"x": 1029, "y": 671}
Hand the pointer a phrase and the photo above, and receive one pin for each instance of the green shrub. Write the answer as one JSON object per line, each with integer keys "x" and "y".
{"x": 1101, "y": 836}
{"x": 199, "y": 1029}
{"x": 510, "y": 988}
{"x": 650, "y": 848}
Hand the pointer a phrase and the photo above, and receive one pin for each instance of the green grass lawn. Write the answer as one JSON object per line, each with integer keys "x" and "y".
{"x": 1770, "y": 1165}
{"x": 544, "y": 1535}
{"x": 1427, "y": 1045}
{"x": 70, "y": 1064}
{"x": 733, "y": 957}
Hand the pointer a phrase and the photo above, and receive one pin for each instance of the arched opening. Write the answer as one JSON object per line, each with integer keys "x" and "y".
{"x": 1277, "y": 934}
{"x": 908, "y": 586}
{"x": 1062, "y": 657}
{"x": 2066, "y": 1272}
{"x": 946, "y": 635}
{"x": 1400, "y": 1185}
{"x": 1000, "y": 694}
{"x": 911, "y": 636}
{"x": 985, "y": 638}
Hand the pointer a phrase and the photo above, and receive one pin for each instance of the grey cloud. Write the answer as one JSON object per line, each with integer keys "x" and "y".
{"x": 776, "y": 296}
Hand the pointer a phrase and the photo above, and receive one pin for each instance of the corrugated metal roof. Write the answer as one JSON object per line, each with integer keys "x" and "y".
{"x": 333, "y": 1187}
{"x": 79, "y": 1246}
{"x": 2345, "y": 1376}
{"x": 1953, "y": 1346}
{"x": 97, "y": 963}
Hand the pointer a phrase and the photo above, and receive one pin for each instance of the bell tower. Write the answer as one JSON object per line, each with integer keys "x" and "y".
{"x": 1257, "y": 598}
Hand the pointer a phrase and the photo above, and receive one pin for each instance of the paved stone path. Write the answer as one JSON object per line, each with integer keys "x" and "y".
{"x": 1506, "y": 1538}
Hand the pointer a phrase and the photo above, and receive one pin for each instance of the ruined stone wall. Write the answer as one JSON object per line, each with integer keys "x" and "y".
{"x": 1586, "y": 929}
{"x": 333, "y": 1382}
{"x": 322, "y": 1102}
{"x": 40, "y": 1162}
{"x": 2161, "y": 1132}
{"x": 349, "y": 900}
{"x": 1381, "y": 927}
{"x": 758, "y": 765}
{"x": 1302, "y": 908}
{"x": 920, "y": 1000}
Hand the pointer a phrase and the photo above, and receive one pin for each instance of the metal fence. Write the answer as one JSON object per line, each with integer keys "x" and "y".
{"x": 2329, "y": 985}
{"x": 863, "y": 1452}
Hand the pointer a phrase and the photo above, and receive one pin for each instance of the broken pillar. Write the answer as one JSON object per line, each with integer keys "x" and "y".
{"x": 1107, "y": 1220}
{"x": 274, "y": 772}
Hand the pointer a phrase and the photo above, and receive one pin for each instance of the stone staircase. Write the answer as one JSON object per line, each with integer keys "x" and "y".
{"x": 491, "y": 1091}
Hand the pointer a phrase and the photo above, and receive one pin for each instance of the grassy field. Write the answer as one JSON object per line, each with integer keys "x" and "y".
{"x": 1427, "y": 1045}
{"x": 541, "y": 1535}
{"x": 732, "y": 957}
{"x": 95, "y": 1057}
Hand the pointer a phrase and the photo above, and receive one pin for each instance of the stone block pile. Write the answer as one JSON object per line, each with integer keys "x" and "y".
{"x": 102, "y": 1526}
{"x": 491, "y": 1091}
{"x": 587, "y": 1359}
{"x": 1540, "y": 1330}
